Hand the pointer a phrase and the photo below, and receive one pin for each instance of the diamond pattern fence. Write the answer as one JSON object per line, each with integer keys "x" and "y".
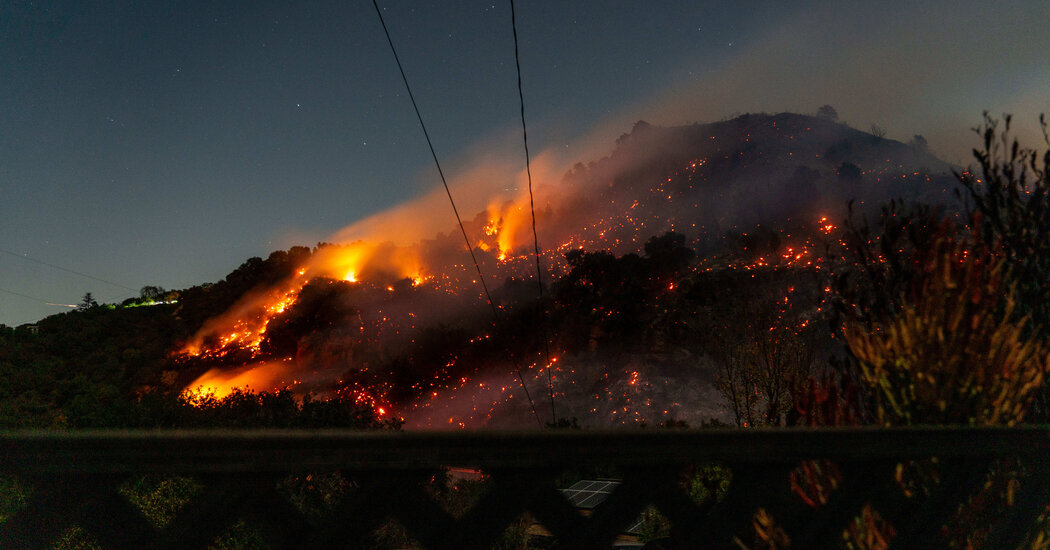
{"x": 797, "y": 488}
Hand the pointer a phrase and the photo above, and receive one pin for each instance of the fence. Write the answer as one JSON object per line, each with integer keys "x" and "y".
{"x": 73, "y": 478}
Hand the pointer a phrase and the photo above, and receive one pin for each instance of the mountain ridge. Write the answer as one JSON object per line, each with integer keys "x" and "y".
{"x": 709, "y": 184}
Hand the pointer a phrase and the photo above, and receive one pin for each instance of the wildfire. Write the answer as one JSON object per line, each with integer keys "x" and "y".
{"x": 507, "y": 223}
{"x": 235, "y": 340}
{"x": 243, "y": 327}
{"x": 261, "y": 377}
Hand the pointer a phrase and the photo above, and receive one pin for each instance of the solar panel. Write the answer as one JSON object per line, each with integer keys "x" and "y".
{"x": 636, "y": 527}
{"x": 591, "y": 500}
{"x": 589, "y": 493}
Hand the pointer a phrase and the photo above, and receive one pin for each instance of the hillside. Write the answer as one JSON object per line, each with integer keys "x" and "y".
{"x": 756, "y": 169}
{"x": 638, "y": 332}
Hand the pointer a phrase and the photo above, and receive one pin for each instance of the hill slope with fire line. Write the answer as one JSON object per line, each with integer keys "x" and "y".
{"x": 641, "y": 322}
{"x": 403, "y": 326}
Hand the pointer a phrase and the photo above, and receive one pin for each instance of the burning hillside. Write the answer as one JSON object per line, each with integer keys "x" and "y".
{"x": 402, "y": 322}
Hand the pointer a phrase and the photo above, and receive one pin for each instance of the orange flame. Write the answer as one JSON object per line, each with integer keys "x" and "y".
{"x": 507, "y": 223}
{"x": 259, "y": 377}
{"x": 244, "y": 325}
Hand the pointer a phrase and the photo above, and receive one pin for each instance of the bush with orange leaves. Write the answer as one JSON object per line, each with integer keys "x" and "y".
{"x": 955, "y": 353}
{"x": 947, "y": 325}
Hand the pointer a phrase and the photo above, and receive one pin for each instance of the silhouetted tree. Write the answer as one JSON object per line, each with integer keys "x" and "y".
{"x": 761, "y": 338}
{"x": 668, "y": 254}
{"x": 151, "y": 292}
{"x": 87, "y": 302}
{"x": 827, "y": 112}
{"x": 849, "y": 172}
{"x": 919, "y": 142}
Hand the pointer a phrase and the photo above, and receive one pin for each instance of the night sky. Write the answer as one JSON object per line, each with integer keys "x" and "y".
{"x": 163, "y": 143}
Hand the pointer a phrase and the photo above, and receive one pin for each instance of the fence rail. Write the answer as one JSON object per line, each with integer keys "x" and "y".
{"x": 74, "y": 479}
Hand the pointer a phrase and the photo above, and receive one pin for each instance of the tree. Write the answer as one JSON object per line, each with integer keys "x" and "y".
{"x": 640, "y": 130}
{"x": 919, "y": 142}
{"x": 878, "y": 131}
{"x": 668, "y": 254}
{"x": 827, "y": 112}
{"x": 763, "y": 341}
{"x": 87, "y": 302}
{"x": 849, "y": 172}
{"x": 152, "y": 293}
{"x": 734, "y": 378}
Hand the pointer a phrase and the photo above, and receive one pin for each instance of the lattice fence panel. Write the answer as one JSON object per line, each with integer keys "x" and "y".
{"x": 762, "y": 500}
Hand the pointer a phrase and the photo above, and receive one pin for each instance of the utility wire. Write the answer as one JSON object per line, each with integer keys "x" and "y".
{"x": 532, "y": 208}
{"x": 28, "y": 297}
{"x": 24, "y": 257}
{"x": 459, "y": 220}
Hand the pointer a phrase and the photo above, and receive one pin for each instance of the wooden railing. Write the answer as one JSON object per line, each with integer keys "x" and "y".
{"x": 73, "y": 478}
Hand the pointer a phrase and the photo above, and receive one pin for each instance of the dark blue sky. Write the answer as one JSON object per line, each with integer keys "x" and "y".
{"x": 163, "y": 143}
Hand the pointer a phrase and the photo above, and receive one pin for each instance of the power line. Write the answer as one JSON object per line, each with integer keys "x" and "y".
{"x": 118, "y": 298}
{"x": 34, "y": 298}
{"x": 532, "y": 209}
{"x": 24, "y": 257}
{"x": 459, "y": 220}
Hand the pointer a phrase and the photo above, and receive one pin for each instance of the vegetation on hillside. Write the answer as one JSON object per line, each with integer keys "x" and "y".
{"x": 928, "y": 315}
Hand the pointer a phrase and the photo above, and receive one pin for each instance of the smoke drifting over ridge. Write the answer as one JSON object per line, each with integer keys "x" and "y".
{"x": 372, "y": 302}
{"x": 912, "y": 68}
{"x": 217, "y": 100}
